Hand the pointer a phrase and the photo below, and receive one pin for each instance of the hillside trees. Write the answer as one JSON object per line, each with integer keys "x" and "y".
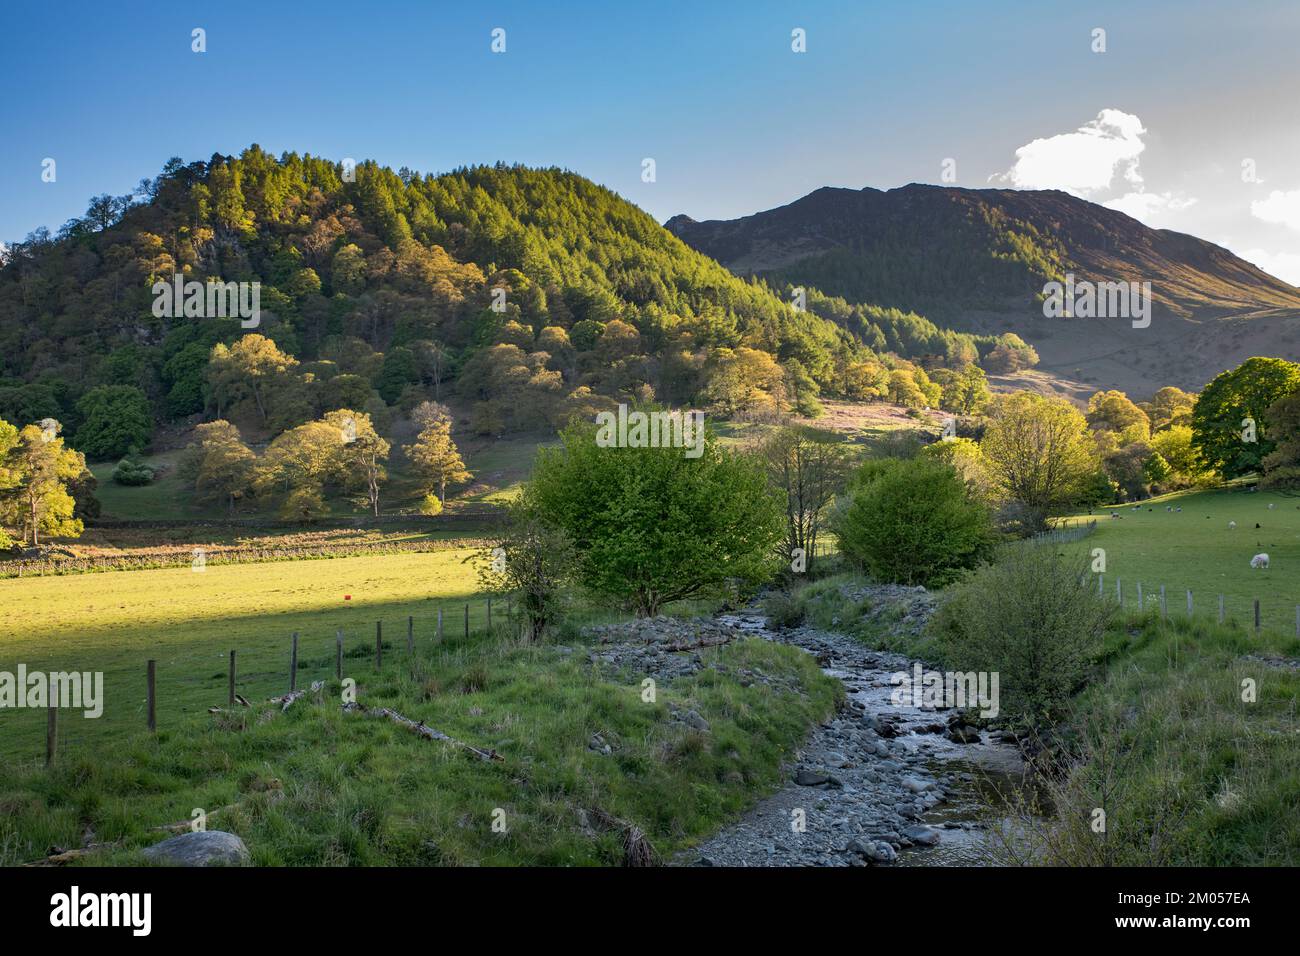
{"x": 1231, "y": 425}
{"x": 115, "y": 418}
{"x": 359, "y": 464}
{"x": 253, "y": 369}
{"x": 1039, "y": 451}
{"x": 408, "y": 264}
{"x": 806, "y": 469}
{"x": 434, "y": 456}
{"x": 219, "y": 464}
{"x": 34, "y": 484}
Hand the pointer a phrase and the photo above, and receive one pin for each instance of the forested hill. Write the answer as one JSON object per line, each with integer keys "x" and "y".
{"x": 529, "y": 292}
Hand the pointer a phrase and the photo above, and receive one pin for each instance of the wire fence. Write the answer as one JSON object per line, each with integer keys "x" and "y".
{"x": 158, "y": 690}
{"x": 1256, "y": 614}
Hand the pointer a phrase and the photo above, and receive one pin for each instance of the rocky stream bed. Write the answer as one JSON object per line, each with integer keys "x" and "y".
{"x": 877, "y": 783}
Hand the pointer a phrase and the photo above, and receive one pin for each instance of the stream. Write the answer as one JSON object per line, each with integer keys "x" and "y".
{"x": 879, "y": 782}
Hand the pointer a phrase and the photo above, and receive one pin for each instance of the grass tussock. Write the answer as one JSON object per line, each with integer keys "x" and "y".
{"x": 1187, "y": 742}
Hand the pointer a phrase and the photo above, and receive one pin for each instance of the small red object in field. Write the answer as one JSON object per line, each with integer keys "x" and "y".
{"x": 347, "y": 597}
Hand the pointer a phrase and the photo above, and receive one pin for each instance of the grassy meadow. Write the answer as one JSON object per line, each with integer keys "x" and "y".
{"x": 115, "y": 621}
{"x": 1195, "y": 549}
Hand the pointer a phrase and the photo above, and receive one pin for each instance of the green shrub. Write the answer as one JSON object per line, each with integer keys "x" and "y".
{"x": 132, "y": 471}
{"x": 782, "y": 610}
{"x": 912, "y": 521}
{"x": 651, "y": 526}
{"x": 1029, "y": 619}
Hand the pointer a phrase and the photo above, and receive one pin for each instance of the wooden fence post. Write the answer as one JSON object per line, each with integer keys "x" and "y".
{"x": 51, "y": 734}
{"x": 467, "y": 622}
{"x": 1141, "y": 607}
{"x": 151, "y": 675}
{"x": 293, "y": 664}
{"x": 338, "y": 655}
{"x": 230, "y": 698}
{"x": 1101, "y": 585}
{"x": 410, "y": 635}
{"x": 439, "y": 625}
{"x": 1119, "y": 591}
{"x": 1220, "y": 608}
{"x": 379, "y": 645}
{"x": 489, "y": 613}
{"x": 1164, "y": 608}
{"x": 1189, "y": 602}
{"x": 1256, "y": 615}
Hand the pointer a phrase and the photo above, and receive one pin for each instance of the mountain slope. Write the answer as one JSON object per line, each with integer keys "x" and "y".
{"x": 977, "y": 260}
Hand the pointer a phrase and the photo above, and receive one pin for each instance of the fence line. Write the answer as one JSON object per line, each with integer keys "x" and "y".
{"x": 56, "y": 732}
{"x": 1146, "y": 600}
{"x": 1065, "y": 535}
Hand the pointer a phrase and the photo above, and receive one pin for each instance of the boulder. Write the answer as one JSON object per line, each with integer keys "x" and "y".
{"x": 201, "y": 848}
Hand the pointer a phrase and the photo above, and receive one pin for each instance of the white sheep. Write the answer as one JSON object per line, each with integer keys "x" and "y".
{"x": 1259, "y": 561}
{"x": 1231, "y": 525}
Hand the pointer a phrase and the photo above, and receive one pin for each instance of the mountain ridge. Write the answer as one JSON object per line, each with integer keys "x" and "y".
{"x": 976, "y": 260}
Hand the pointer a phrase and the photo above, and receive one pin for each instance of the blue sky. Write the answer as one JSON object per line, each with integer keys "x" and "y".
{"x": 734, "y": 119}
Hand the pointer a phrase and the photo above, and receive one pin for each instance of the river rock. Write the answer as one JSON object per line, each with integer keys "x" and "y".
{"x": 202, "y": 848}
{"x": 925, "y": 836}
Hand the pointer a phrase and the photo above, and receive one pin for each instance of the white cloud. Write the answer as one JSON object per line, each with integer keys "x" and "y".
{"x": 1084, "y": 162}
{"x": 1284, "y": 265}
{"x": 1151, "y": 209}
{"x": 1280, "y": 207}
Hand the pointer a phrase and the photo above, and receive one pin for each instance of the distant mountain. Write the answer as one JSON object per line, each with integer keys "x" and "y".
{"x": 976, "y": 260}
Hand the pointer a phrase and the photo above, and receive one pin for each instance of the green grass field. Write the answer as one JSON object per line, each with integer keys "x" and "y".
{"x": 187, "y": 621}
{"x": 1195, "y": 549}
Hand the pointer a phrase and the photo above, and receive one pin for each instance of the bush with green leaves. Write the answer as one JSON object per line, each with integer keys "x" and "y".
{"x": 911, "y": 521}
{"x": 532, "y": 561}
{"x": 1026, "y": 617}
{"x": 132, "y": 471}
{"x": 650, "y": 525}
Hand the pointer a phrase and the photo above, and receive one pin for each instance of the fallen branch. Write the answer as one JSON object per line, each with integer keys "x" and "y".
{"x": 288, "y": 699}
{"x": 182, "y": 826}
{"x": 702, "y": 642}
{"x": 419, "y": 727}
{"x": 60, "y": 857}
